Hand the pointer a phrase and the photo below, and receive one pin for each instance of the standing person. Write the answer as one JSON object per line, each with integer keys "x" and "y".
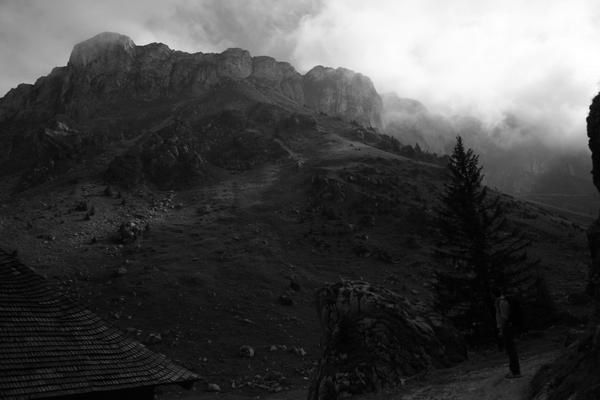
{"x": 506, "y": 331}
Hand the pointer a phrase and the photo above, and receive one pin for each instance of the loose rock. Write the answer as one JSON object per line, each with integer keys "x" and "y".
{"x": 213, "y": 387}
{"x": 246, "y": 351}
{"x": 285, "y": 300}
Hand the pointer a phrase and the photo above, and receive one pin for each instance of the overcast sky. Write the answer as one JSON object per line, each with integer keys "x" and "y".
{"x": 538, "y": 59}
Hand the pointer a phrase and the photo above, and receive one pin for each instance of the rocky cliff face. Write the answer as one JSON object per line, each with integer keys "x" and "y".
{"x": 109, "y": 67}
{"x": 105, "y": 52}
{"x": 593, "y": 132}
{"x": 344, "y": 93}
{"x": 112, "y": 89}
{"x": 280, "y": 75}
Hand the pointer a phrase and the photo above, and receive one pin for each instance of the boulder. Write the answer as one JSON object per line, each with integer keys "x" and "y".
{"x": 373, "y": 338}
{"x": 246, "y": 351}
{"x": 213, "y": 387}
{"x": 131, "y": 231}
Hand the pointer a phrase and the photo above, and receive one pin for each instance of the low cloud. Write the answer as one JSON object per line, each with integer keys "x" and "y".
{"x": 38, "y": 35}
{"x": 533, "y": 59}
{"x": 536, "y": 60}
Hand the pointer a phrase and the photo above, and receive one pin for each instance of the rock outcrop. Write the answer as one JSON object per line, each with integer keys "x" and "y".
{"x": 177, "y": 153}
{"x": 112, "y": 89}
{"x": 373, "y": 339}
{"x": 110, "y": 67}
{"x": 280, "y": 75}
{"x": 106, "y": 52}
{"x": 593, "y": 132}
{"x": 344, "y": 93}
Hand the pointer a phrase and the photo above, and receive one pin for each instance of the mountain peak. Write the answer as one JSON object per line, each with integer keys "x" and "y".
{"x": 102, "y": 47}
{"x": 110, "y": 69}
{"x": 343, "y": 92}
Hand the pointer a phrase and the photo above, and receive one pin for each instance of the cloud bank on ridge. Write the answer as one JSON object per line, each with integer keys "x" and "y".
{"x": 536, "y": 60}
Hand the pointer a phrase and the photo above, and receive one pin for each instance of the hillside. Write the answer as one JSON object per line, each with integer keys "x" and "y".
{"x": 246, "y": 187}
{"x": 516, "y": 156}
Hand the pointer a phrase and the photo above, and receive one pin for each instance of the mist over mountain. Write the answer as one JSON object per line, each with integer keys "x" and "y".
{"x": 110, "y": 69}
{"x": 199, "y": 200}
{"x": 486, "y": 61}
{"x": 160, "y": 98}
{"x": 516, "y": 157}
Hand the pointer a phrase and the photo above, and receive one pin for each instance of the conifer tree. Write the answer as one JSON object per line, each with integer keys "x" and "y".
{"x": 478, "y": 248}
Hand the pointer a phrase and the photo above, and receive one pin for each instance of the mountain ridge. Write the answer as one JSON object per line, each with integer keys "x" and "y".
{"x": 111, "y": 63}
{"x": 112, "y": 88}
{"x": 202, "y": 220}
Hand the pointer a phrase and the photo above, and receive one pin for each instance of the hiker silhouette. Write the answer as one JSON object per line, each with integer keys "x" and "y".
{"x": 505, "y": 316}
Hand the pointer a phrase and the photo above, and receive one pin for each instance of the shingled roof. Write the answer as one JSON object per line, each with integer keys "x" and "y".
{"x": 51, "y": 346}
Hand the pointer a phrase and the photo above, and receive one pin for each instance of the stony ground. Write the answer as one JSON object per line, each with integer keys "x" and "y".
{"x": 482, "y": 377}
{"x": 235, "y": 260}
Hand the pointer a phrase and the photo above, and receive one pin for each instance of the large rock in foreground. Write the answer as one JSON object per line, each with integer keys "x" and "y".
{"x": 373, "y": 338}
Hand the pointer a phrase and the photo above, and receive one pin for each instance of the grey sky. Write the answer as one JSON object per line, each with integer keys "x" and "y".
{"x": 536, "y": 59}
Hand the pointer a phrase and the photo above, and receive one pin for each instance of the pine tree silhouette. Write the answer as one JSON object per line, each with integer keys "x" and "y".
{"x": 478, "y": 247}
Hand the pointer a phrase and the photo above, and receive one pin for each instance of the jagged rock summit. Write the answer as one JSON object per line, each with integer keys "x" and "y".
{"x": 103, "y": 48}
{"x": 177, "y": 112}
{"x": 111, "y": 64}
{"x": 343, "y": 92}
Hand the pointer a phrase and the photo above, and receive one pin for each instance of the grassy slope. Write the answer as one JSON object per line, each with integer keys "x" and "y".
{"x": 209, "y": 273}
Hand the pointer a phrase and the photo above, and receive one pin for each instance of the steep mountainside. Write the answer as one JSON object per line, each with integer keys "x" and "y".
{"x": 514, "y": 157}
{"x": 112, "y": 89}
{"x": 198, "y": 201}
{"x": 81, "y": 109}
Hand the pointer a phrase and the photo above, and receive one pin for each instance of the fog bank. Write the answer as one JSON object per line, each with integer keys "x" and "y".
{"x": 535, "y": 60}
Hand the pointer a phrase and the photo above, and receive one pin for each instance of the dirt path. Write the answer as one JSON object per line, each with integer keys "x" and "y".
{"x": 482, "y": 377}
{"x": 479, "y": 380}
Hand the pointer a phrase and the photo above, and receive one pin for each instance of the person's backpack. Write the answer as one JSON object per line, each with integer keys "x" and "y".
{"x": 515, "y": 316}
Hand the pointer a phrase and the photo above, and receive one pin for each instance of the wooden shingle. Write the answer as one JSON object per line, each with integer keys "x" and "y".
{"x": 51, "y": 346}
